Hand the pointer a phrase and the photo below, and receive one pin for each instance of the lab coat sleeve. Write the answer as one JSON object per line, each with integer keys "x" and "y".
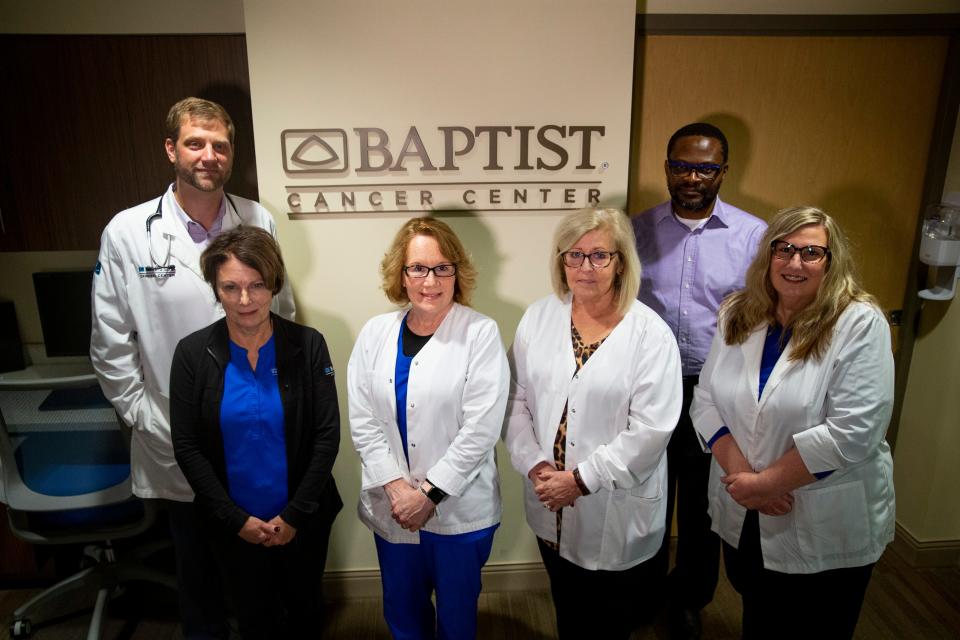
{"x": 378, "y": 464}
{"x": 859, "y": 398}
{"x": 519, "y": 432}
{"x": 326, "y": 437}
{"x": 283, "y": 304}
{"x": 114, "y": 350}
{"x": 655, "y": 402}
{"x": 484, "y": 402}
{"x": 703, "y": 412}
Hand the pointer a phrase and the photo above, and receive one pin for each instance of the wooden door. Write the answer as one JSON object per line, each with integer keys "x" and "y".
{"x": 841, "y": 123}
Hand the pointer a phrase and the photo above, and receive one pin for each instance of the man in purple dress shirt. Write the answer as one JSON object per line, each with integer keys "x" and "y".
{"x": 695, "y": 250}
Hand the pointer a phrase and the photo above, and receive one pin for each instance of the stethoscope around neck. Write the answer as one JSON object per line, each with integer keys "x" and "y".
{"x": 159, "y": 214}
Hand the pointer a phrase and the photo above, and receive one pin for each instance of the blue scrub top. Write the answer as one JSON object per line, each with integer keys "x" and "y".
{"x": 401, "y": 376}
{"x": 254, "y": 441}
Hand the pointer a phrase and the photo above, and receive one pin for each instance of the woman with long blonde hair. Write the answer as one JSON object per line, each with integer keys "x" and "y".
{"x": 794, "y": 401}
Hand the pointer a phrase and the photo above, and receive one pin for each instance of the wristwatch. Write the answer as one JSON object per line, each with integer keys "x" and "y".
{"x": 435, "y": 495}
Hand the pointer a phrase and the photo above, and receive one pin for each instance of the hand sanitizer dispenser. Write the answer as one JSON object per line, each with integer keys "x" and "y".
{"x": 940, "y": 247}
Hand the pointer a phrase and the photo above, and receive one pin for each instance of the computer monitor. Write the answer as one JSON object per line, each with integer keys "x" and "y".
{"x": 63, "y": 298}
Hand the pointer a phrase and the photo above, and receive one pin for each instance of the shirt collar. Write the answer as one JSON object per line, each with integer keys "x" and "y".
{"x": 195, "y": 230}
{"x": 718, "y": 214}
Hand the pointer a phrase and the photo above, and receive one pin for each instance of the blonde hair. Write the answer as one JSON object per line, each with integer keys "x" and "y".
{"x": 812, "y": 328}
{"x": 573, "y": 226}
{"x": 391, "y": 267}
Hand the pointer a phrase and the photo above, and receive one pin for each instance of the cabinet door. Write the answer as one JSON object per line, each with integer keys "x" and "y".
{"x": 66, "y": 155}
{"x": 159, "y": 71}
{"x": 82, "y": 127}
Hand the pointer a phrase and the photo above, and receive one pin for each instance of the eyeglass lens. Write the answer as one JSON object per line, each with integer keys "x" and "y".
{"x": 810, "y": 253}
{"x": 444, "y": 270}
{"x": 255, "y": 290}
{"x": 598, "y": 259}
{"x": 705, "y": 170}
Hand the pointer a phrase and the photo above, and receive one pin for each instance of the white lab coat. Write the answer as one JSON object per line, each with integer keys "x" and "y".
{"x": 623, "y": 406}
{"x": 835, "y": 411}
{"x": 456, "y": 398}
{"x": 138, "y": 321}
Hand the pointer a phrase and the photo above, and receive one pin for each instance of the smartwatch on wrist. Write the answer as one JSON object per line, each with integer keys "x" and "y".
{"x": 435, "y": 495}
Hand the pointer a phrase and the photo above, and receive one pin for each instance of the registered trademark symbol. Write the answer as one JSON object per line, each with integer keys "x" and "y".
{"x": 604, "y": 165}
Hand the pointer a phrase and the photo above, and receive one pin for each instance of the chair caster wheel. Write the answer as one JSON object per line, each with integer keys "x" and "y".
{"x": 20, "y": 628}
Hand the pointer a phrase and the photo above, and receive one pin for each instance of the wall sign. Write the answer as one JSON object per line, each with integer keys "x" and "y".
{"x": 418, "y": 168}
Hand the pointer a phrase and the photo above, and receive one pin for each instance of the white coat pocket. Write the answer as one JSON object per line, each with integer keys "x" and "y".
{"x": 633, "y": 515}
{"x": 832, "y": 521}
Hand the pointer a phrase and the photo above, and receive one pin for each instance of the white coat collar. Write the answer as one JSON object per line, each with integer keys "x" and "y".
{"x": 608, "y": 343}
{"x": 170, "y": 231}
{"x": 753, "y": 354}
{"x": 173, "y": 230}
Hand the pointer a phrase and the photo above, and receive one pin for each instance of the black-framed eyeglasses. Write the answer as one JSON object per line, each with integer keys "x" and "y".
{"x": 442, "y": 270}
{"x": 706, "y": 170}
{"x": 598, "y": 259}
{"x": 783, "y": 250}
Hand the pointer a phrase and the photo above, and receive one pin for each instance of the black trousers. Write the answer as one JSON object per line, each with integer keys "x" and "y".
{"x": 600, "y": 604}
{"x": 277, "y": 591}
{"x": 694, "y": 577}
{"x": 792, "y": 605}
{"x": 199, "y": 586}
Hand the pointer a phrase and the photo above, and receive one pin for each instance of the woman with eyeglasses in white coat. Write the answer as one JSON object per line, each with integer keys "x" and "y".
{"x": 794, "y": 401}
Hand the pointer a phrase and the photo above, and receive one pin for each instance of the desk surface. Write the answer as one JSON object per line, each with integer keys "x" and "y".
{"x": 21, "y": 393}
{"x": 49, "y": 376}
{"x": 21, "y": 413}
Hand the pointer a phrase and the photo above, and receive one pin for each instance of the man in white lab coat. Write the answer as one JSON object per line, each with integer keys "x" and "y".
{"x": 148, "y": 293}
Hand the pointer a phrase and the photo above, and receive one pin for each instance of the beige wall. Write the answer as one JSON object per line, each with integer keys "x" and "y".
{"x": 926, "y": 473}
{"x": 495, "y": 63}
{"x": 17, "y": 282}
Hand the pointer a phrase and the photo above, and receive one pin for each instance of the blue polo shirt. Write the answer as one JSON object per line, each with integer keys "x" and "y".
{"x": 254, "y": 442}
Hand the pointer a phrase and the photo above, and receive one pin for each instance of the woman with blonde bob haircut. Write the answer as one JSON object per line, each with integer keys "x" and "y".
{"x": 595, "y": 395}
{"x": 626, "y": 282}
{"x": 794, "y": 401}
{"x": 391, "y": 267}
{"x": 427, "y": 386}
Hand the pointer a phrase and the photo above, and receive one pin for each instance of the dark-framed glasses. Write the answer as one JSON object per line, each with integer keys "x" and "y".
{"x": 783, "y": 250}
{"x": 706, "y": 170}
{"x": 442, "y": 270}
{"x": 598, "y": 259}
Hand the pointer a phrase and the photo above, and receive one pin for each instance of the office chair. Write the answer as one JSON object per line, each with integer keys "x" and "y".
{"x": 65, "y": 478}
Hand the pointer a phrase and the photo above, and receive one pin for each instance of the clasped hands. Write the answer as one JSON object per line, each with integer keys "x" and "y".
{"x": 555, "y": 489}
{"x": 408, "y": 506}
{"x": 274, "y": 533}
{"x": 752, "y": 490}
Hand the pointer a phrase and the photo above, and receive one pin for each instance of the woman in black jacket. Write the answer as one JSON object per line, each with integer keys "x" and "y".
{"x": 256, "y": 428}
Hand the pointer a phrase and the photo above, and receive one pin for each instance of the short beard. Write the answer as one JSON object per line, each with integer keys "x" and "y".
{"x": 703, "y": 204}
{"x": 185, "y": 174}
